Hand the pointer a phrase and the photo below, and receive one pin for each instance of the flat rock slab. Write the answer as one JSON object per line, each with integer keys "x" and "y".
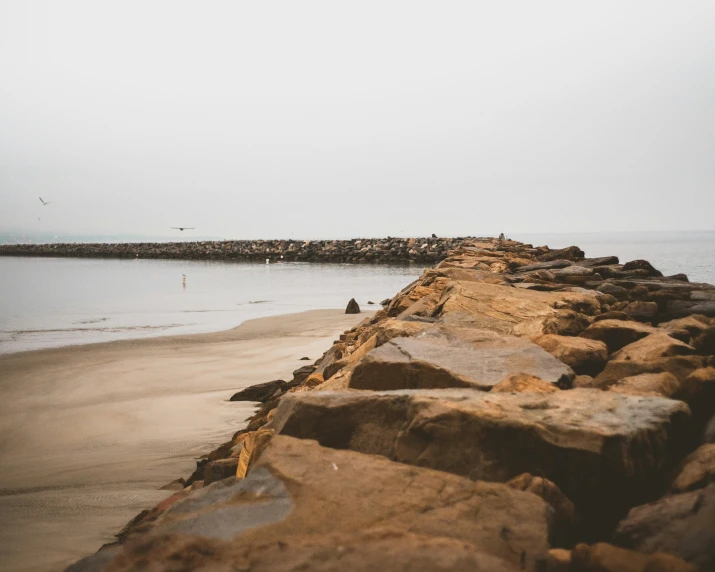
{"x": 299, "y": 488}
{"x": 681, "y": 524}
{"x": 508, "y": 310}
{"x": 435, "y": 360}
{"x": 604, "y": 450}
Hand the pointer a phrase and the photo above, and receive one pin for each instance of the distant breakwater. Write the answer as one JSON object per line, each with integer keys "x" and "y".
{"x": 374, "y": 250}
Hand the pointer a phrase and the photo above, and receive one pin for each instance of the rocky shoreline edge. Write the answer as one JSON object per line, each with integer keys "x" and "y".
{"x": 359, "y": 250}
{"x": 515, "y": 408}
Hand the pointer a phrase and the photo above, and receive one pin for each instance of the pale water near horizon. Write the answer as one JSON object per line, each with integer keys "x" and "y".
{"x": 50, "y": 302}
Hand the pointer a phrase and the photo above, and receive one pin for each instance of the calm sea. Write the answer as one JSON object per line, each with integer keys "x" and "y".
{"x": 47, "y": 302}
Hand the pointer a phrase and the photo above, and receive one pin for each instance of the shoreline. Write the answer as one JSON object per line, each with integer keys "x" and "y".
{"x": 91, "y": 432}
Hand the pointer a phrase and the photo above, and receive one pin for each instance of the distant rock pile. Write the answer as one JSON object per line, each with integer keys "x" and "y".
{"x": 392, "y": 250}
{"x": 515, "y": 408}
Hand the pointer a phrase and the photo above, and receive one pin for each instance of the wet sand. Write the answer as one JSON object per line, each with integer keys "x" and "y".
{"x": 88, "y": 434}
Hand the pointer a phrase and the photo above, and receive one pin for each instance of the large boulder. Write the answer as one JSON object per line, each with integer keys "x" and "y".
{"x": 359, "y": 551}
{"x": 653, "y": 346}
{"x": 662, "y": 384}
{"x": 616, "y": 370}
{"x": 507, "y": 310}
{"x": 454, "y": 357}
{"x": 680, "y": 524}
{"x": 694, "y": 325}
{"x": 584, "y": 356}
{"x": 298, "y": 488}
{"x": 617, "y": 333}
{"x": 605, "y": 451}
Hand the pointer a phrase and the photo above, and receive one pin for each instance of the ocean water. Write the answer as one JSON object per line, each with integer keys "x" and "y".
{"x": 50, "y": 302}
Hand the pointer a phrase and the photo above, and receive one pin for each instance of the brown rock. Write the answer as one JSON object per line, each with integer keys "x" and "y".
{"x": 694, "y": 325}
{"x": 507, "y": 310}
{"x": 583, "y": 355}
{"x": 680, "y": 366}
{"x": 705, "y": 342}
{"x": 585, "y": 381}
{"x": 353, "y": 307}
{"x": 516, "y": 382}
{"x": 608, "y": 558}
{"x": 359, "y": 551}
{"x": 298, "y": 488}
{"x": 641, "y": 311}
{"x": 656, "y": 384}
{"x": 612, "y": 315}
{"x": 617, "y": 333}
{"x": 641, "y": 265}
{"x": 653, "y": 346}
{"x": 696, "y": 471}
{"x": 588, "y": 442}
{"x": 443, "y": 357}
{"x": 681, "y": 525}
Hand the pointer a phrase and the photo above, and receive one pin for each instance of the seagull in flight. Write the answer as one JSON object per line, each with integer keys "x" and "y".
{"x": 183, "y": 227}
{"x": 44, "y": 204}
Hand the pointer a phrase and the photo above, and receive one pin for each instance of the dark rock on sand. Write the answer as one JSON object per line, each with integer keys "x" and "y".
{"x": 353, "y": 307}
{"x": 261, "y": 392}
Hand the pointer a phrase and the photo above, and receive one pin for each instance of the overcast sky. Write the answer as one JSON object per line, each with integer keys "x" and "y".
{"x": 338, "y": 119}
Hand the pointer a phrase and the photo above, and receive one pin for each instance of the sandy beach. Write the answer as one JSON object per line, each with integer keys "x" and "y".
{"x": 89, "y": 434}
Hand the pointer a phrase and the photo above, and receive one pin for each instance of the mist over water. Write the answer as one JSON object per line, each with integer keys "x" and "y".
{"x": 48, "y": 302}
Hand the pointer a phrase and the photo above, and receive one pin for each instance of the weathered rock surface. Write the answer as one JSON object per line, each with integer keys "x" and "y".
{"x": 602, "y": 449}
{"x": 653, "y": 346}
{"x": 298, "y": 488}
{"x": 518, "y": 382}
{"x": 681, "y": 525}
{"x": 584, "y": 356}
{"x": 662, "y": 384}
{"x": 334, "y": 552}
{"x": 680, "y": 366}
{"x": 441, "y": 358}
{"x": 509, "y": 310}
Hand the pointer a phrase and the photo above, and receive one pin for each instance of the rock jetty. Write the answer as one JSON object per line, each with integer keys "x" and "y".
{"x": 388, "y": 250}
{"x": 515, "y": 408}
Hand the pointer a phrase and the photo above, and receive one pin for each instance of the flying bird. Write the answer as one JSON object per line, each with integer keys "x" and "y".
{"x": 44, "y": 203}
{"x": 183, "y": 227}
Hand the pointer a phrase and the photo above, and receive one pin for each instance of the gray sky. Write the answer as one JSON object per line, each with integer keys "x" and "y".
{"x": 338, "y": 119}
